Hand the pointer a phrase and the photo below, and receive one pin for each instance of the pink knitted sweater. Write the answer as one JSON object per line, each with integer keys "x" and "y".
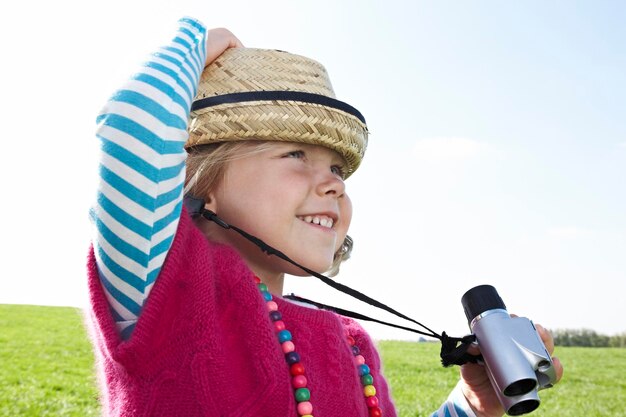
{"x": 204, "y": 345}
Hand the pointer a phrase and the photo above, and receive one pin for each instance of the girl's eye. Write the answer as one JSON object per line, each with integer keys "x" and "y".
{"x": 338, "y": 170}
{"x": 295, "y": 154}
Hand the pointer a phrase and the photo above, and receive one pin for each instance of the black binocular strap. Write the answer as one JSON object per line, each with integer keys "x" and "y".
{"x": 453, "y": 349}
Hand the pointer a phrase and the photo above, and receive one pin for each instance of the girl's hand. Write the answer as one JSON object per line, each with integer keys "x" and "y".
{"x": 217, "y": 41}
{"x": 477, "y": 388}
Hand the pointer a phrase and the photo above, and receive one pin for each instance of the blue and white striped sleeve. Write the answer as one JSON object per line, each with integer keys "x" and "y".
{"x": 455, "y": 406}
{"x": 142, "y": 130}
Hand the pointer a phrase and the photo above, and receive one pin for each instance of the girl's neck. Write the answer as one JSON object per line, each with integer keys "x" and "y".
{"x": 274, "y": 280}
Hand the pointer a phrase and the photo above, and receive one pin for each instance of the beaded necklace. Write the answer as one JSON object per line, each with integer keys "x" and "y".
{"x": 296, "y": 369}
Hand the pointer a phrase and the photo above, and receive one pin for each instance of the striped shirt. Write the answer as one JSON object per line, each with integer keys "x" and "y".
{"x": 142, "y": 130}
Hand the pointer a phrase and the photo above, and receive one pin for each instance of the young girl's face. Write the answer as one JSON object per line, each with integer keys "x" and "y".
{"x": 291, "y": 196}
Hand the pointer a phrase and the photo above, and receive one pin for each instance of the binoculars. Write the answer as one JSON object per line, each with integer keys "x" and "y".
{"x": 516, "y": 360}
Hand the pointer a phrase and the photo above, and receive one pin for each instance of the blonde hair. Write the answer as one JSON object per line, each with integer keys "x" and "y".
{"x": 206, "y": 167}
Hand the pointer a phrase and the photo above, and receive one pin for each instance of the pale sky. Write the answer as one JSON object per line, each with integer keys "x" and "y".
{"x": 497, "y": 151}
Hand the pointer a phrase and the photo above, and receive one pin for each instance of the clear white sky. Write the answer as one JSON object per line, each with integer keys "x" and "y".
{"x": 497, "y": 150}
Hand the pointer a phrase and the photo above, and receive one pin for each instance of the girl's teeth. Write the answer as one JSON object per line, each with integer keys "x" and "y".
{"x": 325, "y": 222}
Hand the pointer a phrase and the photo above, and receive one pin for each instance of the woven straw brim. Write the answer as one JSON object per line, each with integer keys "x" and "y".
{"x": 282, "y": 121}
{"x": 258, "y": 71}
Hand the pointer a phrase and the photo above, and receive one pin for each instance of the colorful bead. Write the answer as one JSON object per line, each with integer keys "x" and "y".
{"x": 355, "y": 350}
{"x": 367, "y": 379}
{"x": 369, "y": 390}
{"x": 351, "y": 341}
{"x": 364, "y": 369}
{"x": 288, "y": 346}
{"x": 296, "y": 369}
{"x": 279, "y": 325}
{"x": 304, "y": 408}
{"x": 262, "y": 287}
{"x": 300, "y": 381}
{"x": 303, "y": 394}
{"x": 359, "y": 359}
{"x": 271, "y": 305}
{"x": 284, "y": 335}
{"x": 376, "y": 412}
{"x": 371, "y": 401}
{"x": 266, "y": 295}
{"x": 276, "y": 315}
{"x": 292, "y": 357}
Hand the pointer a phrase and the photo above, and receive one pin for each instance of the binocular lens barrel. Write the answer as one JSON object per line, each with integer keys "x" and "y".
{"x": 520, "y": 387}
{"x": 523, "y": 407}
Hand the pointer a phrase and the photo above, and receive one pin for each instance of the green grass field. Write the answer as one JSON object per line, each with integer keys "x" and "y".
{"x": 46, "y": 369}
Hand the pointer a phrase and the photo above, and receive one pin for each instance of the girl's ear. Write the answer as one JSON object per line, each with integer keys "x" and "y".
{"x": 210, "y": 202}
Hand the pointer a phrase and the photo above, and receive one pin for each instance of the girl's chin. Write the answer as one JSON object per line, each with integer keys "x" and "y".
{"x": 319, "y": 267}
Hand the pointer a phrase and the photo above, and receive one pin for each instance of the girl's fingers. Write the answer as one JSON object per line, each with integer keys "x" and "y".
{"x": 546, "y": 337}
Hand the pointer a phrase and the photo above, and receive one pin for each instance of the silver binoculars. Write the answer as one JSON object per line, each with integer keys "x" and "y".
{"x": 516, "y": 360}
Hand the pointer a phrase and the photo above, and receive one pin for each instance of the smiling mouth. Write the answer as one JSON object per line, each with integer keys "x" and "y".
{"x": 319, "y": 220}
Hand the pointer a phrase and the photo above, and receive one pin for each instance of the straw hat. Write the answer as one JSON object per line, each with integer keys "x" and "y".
{"x": 258, "y": 94}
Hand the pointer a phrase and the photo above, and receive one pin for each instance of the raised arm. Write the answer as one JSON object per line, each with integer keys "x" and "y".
{"x": 142, "y": 130}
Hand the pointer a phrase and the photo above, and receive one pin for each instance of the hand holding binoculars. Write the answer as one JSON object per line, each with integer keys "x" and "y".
{"x": 516, "y": 360}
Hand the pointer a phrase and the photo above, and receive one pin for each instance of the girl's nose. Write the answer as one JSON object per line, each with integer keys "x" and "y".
{"x": 330, "y": 184}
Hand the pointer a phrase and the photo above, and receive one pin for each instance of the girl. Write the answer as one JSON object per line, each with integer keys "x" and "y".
{"x": 187, "y": 317}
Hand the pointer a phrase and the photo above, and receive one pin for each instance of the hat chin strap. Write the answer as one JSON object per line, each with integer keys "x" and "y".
{"x": 453, "y": 349}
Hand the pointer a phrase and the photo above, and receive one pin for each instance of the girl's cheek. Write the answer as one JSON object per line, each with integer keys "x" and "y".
{"x": 347, "y": 209}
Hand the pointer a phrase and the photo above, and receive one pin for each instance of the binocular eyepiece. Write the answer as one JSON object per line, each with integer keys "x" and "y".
{"x": 516, "y": 360}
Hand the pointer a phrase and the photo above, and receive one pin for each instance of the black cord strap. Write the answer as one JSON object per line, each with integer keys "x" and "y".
{"x": 353, "y": 315}
{"x": 340, "y": 287}
{"x": 453, "y": 349}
